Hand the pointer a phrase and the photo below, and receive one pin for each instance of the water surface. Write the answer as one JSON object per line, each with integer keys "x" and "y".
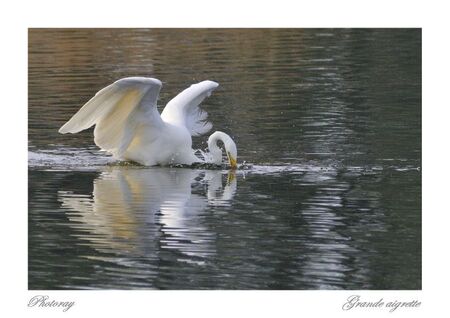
{"x": 328, "y": 120}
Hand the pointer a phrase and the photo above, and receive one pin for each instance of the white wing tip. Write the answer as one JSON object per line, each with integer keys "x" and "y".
{"x": 137, "y": 79}
{"x": 211, "y": 83}
{"x": 63, "y": 130}
{"x": 208, "y": 86}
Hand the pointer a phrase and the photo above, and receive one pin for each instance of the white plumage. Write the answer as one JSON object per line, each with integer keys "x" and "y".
{"x": 129, "y": 126}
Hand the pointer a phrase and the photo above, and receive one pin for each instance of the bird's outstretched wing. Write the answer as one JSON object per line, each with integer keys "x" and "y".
{"x": 118, "y": 110}
{"x": 184, "y": 108}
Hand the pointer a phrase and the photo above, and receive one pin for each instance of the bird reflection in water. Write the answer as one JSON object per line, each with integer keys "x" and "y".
{"x": 136, "y": 212}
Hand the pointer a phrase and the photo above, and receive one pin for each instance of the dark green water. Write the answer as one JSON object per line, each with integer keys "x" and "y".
{"x": 329, "y": 119}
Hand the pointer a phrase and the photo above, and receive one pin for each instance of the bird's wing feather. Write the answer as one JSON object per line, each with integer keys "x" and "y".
{"x": 118, "y": 110}
{"x": 184, "y": 108}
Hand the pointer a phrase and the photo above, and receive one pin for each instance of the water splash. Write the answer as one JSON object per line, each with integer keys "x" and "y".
{"x": 92, "y": 159}
{"x": 68, "y": 159}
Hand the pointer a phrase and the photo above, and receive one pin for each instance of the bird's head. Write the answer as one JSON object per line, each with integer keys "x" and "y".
{"x": 230, "y": 148}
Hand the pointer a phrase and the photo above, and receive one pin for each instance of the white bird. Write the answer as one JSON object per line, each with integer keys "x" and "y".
{"x": 129, "y": 126}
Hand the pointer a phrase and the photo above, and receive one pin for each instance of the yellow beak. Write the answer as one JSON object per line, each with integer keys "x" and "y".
{"x": 233, "y": 162}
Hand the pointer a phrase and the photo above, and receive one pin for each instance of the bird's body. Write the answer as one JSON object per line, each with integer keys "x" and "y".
{"x": 173, "y": 145}
{"x": 129, "y": 126}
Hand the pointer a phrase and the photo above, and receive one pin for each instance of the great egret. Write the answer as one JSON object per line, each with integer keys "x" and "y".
{"x": 129, "y": 126}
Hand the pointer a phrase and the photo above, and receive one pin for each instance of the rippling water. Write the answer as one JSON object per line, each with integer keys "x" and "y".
{"x": 329, "y": 122}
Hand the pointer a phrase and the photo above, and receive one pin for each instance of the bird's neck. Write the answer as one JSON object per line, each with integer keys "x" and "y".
{"x": 214, "y": 150}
